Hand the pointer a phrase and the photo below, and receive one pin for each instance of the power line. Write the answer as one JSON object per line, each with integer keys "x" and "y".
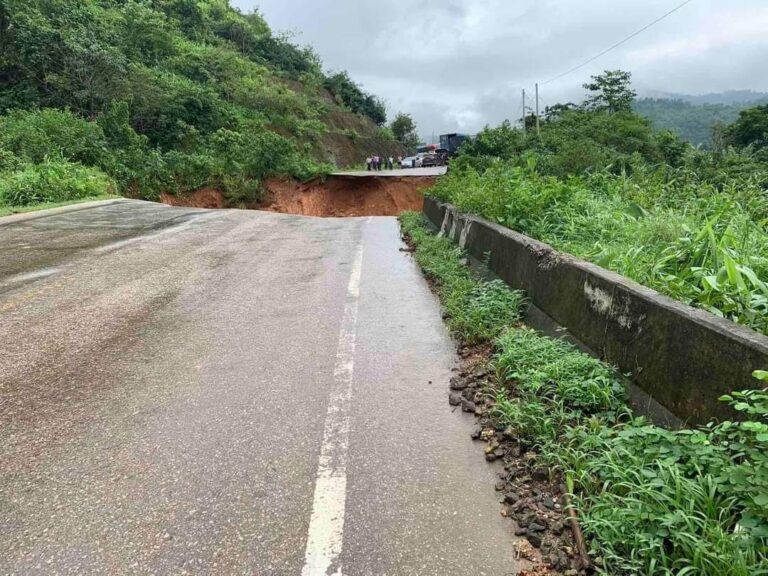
{"x": 627, "y": 39}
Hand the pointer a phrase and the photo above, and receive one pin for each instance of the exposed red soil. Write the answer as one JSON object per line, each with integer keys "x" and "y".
{"x": 204, "y": 198}
{"x": 347, "y": 196}
{"x": 339, "y": 196}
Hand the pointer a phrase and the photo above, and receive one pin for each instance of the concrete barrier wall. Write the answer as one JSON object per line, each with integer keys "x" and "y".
{"x": 683, "y": 357}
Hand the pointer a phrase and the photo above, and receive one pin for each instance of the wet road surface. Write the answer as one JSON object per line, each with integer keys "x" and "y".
{"x": 177, "y": 386}
{"x": 398, "y": 173}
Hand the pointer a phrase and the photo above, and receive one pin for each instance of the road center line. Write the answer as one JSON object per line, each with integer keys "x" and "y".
{"x": 326, "y": 525}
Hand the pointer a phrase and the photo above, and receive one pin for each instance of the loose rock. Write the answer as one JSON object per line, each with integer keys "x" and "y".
{"x": 535, "y": 540}
{"x": 458, "y": 383}
{"x": 511, "y": 497}
{"x": 541, "y": 474}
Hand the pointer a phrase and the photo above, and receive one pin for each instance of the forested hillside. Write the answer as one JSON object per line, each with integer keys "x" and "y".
{"x": 148, "y": 96}
{"x": 693, "y": 122}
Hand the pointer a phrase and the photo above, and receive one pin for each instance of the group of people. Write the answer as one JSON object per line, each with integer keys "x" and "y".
{"x": 376, "y": 163}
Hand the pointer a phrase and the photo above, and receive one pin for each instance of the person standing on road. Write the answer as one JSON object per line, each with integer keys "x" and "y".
{"x": 391, "y": 163}
{"x": 369, "y": 162}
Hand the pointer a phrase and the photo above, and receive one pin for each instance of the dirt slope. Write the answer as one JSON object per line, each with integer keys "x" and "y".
{"x": 347, "y": 196}
{"x": 204, "y": 198}
{"x": 335, "y": 196}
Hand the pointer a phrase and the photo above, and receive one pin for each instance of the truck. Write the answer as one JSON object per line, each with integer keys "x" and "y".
{"x": 452, "y": 142}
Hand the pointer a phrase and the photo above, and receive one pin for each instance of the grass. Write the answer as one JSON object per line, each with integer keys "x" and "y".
{"x": 9, "y": 210}
{"x": 476, "y": 311}
{"x": 652, "y": 501}
{"x": 700, "y": 243}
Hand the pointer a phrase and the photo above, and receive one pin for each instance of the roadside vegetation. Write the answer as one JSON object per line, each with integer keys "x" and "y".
{"x": 141, "y": 97}
{"x": 651, "y": 501}
{"x": 600, "y": 183}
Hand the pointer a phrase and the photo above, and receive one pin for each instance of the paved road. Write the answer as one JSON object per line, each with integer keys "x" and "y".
{"x": 407, "y": 172}
{"x": 230, "y": 392}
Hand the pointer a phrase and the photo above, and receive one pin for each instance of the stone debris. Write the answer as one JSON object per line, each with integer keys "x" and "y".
{"x": 530, "y": 493}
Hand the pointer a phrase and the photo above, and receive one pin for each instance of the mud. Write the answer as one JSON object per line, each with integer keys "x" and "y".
{"x": 205, "y": 198}
{"x": 345, "y": 196}
{"x": 335, "y": 196}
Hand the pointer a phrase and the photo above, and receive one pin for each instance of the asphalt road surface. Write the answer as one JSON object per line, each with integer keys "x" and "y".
{"x": 230, "y": 392}
{"x": 398, "y": 173}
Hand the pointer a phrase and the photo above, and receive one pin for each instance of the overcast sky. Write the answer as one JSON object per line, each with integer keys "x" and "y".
{"x": 457, "y": 65}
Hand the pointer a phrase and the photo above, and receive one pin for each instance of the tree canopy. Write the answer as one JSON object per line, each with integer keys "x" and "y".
{"x": 751, "y": 128}
{"x": 610, "y": 91}
{"x": 404, "y": 129}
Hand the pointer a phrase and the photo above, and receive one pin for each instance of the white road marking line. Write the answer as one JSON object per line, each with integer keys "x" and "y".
{"x": 326, "y": 525}
{"x": 29, "y": 276}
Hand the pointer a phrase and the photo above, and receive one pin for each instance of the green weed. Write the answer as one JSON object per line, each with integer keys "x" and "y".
{"x": 52, "y": 181}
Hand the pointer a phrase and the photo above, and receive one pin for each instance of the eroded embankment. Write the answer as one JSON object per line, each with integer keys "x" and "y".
{"x": 340, "y": 196}
{"x": 347, "y": 196}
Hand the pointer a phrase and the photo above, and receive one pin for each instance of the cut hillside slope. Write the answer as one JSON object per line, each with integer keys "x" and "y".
{"x": 351, "y": 137}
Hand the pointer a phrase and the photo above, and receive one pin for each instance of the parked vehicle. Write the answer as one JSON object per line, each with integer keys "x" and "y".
{"x": 452, "y": 142}
{"x": 431, "y": 160}
{"x": 412, "y": 162}
{"x": 444, "y": 155}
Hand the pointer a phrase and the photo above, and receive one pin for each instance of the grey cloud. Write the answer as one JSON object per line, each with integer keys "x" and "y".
{"x": 460, "y": 64}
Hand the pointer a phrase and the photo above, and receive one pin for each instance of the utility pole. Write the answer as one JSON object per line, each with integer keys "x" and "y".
{"x": 524, "y": 110}
{"x": 538, "y": 129}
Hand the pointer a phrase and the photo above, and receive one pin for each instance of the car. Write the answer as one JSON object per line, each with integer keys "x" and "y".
{"x": 411, "y": 162}
{"x": 431, "y": 160}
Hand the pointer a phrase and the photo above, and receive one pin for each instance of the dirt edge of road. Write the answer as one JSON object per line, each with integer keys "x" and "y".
{"x": 334, "y": 196}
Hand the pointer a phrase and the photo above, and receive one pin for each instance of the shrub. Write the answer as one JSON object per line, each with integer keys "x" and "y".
{"x": 53, "y": 181}
{"x": 39, "y": 134}
{"x": 700, "y": 243}
{"x": 349, "y": 94}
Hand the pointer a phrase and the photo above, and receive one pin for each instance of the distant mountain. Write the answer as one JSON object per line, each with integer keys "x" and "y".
{"x": 727, "y": 98}
{"x": 693, "y": 117}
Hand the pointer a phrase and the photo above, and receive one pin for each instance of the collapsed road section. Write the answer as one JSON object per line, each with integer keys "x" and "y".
{"x": 337, "y": 195}
{"x": 345, "y": 196}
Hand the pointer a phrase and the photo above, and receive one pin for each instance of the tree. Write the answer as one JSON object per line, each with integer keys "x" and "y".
{"x": 611, "y": 91}
{"x": 556, "y": 111}
{"x": 404, "y": 129}
{"x": 349, "y": 94}
{"x": 751, "y": 129}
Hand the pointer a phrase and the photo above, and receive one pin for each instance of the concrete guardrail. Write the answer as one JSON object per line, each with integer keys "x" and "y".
{"x": 682, "y": 357}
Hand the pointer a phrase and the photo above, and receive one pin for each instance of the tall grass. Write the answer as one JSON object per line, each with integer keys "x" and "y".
{"x": 704, "y": 244}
